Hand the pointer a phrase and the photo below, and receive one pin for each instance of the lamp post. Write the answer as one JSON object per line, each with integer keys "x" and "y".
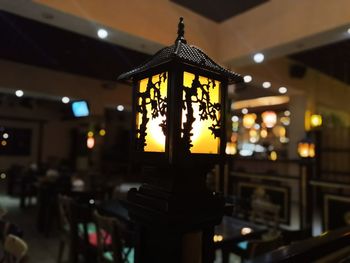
{"x": 179, "y": 102}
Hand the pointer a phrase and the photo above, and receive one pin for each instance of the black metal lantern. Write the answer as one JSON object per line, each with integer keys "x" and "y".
{"x": 179, "y": 102}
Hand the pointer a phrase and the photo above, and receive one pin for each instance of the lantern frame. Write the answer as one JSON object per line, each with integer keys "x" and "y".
{"x": 174, "y": 152}
{"x": 176, "y": 60}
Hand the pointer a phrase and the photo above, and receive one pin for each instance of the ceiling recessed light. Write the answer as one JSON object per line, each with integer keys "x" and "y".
{"x": 19, "y": 93}
{"x": 247, "y": 78}
{"x": 259, "y": 57}
{"x": 5, "y": 136}
{"x": 245, "y": 111}
{"x": 266, "y": 85}
{"x": 65, "y": 100}
{"x": 282, "y": 90}
{"x": 102, "y": 33}
{"x": 120, "y": 107}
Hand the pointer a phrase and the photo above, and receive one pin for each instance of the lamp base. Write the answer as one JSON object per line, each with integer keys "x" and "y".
{"x": 167, "y": 218}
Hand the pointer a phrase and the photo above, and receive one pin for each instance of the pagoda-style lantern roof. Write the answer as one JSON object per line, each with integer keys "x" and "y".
{"x": 183, "y": 53}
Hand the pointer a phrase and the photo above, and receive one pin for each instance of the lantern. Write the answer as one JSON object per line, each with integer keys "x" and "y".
{"x": 269, "y": 118}
{"x": 306, "y": 148}
{"x": 178, "y": 134}
{"x": 179, "y": 105}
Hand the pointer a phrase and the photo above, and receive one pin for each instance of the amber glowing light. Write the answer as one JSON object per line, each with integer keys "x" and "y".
{"x": 155, "y": 138}
{"x": 202, "y": 139}
{"x": 249, "y": 120}
{"x": 231, "y": 148}
{"x": 269, "y": 118}
{"x": 316, "y": 120}
{"x": 306, "y": 149}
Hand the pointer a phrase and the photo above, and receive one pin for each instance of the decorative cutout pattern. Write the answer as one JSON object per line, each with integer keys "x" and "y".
{"x": 201, "y": 107}
{"x": 151, "y": 110}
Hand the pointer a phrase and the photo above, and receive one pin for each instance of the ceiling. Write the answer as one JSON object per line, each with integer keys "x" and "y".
{"x": 219, "y": 10}
{"x": 30, "y": 42}
{"x": 333, "y": 60}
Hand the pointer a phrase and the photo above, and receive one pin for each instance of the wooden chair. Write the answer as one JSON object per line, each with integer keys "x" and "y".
{"x": 112, "y": 241}
{"x": 16, "y": 250}
{"x": 83, "y": 231}
{"x": 77, "y": 229}
{"x": 65, "y": 227}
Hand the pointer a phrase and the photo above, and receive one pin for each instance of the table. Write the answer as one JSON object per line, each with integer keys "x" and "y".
{"x": 231, "y": 231}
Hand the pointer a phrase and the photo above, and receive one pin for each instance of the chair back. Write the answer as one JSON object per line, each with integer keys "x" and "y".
{"x": 16, "y": 249}
{"x": 76, "y": 221}
{"x": 109, "y": 237}
{"x": 65, "y": 212}
{"x": 7, "y": 228}
{"x": 266, "y": 212}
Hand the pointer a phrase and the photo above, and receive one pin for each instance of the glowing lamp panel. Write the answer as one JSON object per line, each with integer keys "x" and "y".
{"x": 151, "y": 112}
{"x": 203, "y": 94}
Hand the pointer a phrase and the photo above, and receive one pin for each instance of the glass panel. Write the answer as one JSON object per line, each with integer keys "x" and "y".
{"x": 203, "y": 130}
{"x": 151, "y": 117}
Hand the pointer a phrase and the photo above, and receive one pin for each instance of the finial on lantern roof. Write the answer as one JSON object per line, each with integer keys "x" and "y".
{"x": 181, "y": 31}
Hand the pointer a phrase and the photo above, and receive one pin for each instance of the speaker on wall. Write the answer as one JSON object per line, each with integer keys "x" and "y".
{"x": 297, "y": 71}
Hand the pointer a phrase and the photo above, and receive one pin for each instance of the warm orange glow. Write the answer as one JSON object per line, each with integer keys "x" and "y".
{"x": 202, "y": 139}
{"x": 90, "y": 142}
{"x": 279, "y": 131}
{"x": 231, "y": 148}
{"x": 269, "y": 118}
{"x": 249, "y": 120}
{"x": 3, "y": 143}
{"x": 263, "y": 133}
{"x": 306, "y": 150}
{"x": 253, "y": 136}
{"x": 155, "y": 138}
{"x": 234, "y": 137}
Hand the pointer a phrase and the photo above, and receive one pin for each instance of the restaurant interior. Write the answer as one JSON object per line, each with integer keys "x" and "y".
{"x": 102, "y": 161}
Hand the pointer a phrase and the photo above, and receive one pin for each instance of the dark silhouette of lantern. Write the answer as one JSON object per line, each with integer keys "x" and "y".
{"x": 179, "y": 102}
